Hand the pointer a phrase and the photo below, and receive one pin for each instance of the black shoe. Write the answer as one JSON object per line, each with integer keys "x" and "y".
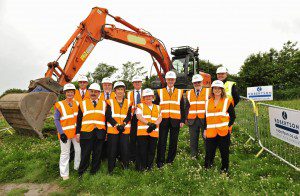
{"x": 160, "y": 164}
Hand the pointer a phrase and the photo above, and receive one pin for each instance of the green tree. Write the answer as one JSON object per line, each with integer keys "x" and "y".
{"x": 102, "y": 70}
{"x": 129, "y": 70}
{"x": 277, "y": 68}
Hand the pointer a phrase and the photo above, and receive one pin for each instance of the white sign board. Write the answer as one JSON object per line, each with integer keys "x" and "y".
{"x": 285, "y": 125}
{"x": 260, "y": 93}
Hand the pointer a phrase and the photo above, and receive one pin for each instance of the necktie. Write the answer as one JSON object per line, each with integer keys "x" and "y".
{"x": 95, "y": 103}
{"x": 197, "y": 93}
{"x": 138, "y": 97}
{"x": 170, "y": 91}
{"x": 82, "y": 94}
{"x": 107, "y": 95}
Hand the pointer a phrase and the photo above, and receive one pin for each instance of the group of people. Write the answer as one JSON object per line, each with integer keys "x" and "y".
{"x": 112, "y": 124}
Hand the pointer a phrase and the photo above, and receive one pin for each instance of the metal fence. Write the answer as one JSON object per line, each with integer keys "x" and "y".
{"x": 246, "y": 118}
{"x": 253, "y": 119}
{"x": 284, "y": 151}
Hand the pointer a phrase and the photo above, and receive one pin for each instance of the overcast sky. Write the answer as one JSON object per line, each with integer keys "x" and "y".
{"x": 226, "y": 31}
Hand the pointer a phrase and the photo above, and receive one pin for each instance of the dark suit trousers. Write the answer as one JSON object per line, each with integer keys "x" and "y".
{"x": 133, "y": 139}
{"x": 90, "y": 146}
{"x": 117, "y": 143}
{"x": 211, "y": 144}
{"x": 194, "y": 129}
{"x": 165, "y": 127}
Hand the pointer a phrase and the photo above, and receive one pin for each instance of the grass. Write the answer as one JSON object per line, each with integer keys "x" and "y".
{"x": 26, "y": 159}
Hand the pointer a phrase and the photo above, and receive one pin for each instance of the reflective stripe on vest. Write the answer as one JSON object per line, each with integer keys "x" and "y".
{"x": 68, "y": 117}
{"x": 92, "y": 117}
{"x": 119, "y": 114}
{"x": 197, "y": 104}
{"x": 217, "y": 118}
{"x": 150, "y": 116}
{"x": 170, "y": 106}
{"x": 228, "y": 88}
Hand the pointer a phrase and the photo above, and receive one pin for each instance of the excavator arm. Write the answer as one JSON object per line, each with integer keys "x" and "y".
{"x": 26, "y": 112}
{"x": 94, "y": 29}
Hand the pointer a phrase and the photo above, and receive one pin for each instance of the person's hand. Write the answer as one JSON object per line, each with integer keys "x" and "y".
{"x": 121, "y": 128}
{"x": 181, "y": 125}
{"x": 77, "y": 138}
{"x": 63, "y": 138}
{"x": 152, "y": 126}
{"x": 204, "y": 134}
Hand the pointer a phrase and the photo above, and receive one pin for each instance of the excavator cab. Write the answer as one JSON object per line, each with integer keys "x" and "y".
{"x": 185, "y": 63}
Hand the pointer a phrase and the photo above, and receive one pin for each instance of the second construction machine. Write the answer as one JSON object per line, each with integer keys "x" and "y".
{"x": 26, "y": 112}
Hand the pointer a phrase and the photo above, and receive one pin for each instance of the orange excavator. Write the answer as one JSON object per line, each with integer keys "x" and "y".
{"x": 26, "y": 112}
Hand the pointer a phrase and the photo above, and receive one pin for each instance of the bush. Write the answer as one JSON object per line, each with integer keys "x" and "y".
{"x": 13, "y": 90}
{"x": 286, "y": 94}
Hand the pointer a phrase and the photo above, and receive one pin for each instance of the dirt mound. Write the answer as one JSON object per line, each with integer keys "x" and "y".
{"x": 30, "y": 189}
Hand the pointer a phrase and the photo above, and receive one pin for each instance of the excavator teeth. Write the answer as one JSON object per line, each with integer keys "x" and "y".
{"x": 26, "y": 112}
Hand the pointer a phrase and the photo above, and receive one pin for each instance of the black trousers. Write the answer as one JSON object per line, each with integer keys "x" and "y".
{"x": 211, "y": 144}
{"x": 164, "y": 128}
{"x": 117, "y": 143}
{"x": 145, "y": 152}
{"x": 195, "y": 130}
{"x": 90, "y": 146}
{"x": 133, "y": 139}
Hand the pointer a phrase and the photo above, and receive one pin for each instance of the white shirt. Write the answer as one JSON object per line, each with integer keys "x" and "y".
{"x": 168, "y": 89}
{"x": 135, "y": 95}
{"x": 82, "y": 92}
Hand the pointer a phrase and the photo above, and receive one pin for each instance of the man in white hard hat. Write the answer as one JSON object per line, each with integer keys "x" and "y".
{"x": 171, "y": 102}
{"x": 82, "y": 92}
{"x": 118, "y": 116}
{"x": 229, "y": 86}
{"x": 65, "y": 118}
{"x": 92, "y": 130}
{"x": 195, "y": 111}
{"x": 107, "y": 89}
{"x": 135, "y": 97}
{"x": 107, "y": 85}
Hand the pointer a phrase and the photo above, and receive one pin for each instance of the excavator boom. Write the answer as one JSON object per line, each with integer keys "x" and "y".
{"x": 26, "y": 112}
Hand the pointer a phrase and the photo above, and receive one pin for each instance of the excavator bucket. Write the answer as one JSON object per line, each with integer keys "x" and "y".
{"x": 26, "y": 112}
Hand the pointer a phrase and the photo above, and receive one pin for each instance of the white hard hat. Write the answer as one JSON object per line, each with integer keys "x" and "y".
{"x": 171, "y": 74}
{"x": 148, "y": 92}
{"x": 106, "y": 80}
{"x": 137, "y": 79}
{"x": 95, "y": 86}
{"x": 222, "y": 70}
{"x": 197, "y": 78}
{"x": 82, "y": 78}
{"x": 69, "y": 86}
{"x": 119, "y": 83}
{"x": 217, "y": 83}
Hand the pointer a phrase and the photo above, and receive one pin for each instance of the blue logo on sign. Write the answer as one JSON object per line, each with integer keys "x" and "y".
{"x": 259, "y": 88}
{"x": 284, "y": 115}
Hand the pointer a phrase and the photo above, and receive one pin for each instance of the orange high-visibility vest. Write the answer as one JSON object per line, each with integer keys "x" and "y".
{"x": 68, "y": 117}
{"x": 217, "y": 118}
{"x": 78, "y": 97}
{"x": 130, "y": 97}
{"x": 103, "y": 96}
{"x": 150, "y": 116}
{"x": 92, "y": 117}
{"x": 170, "y": 105}
{"x": 119, "y": 114}
{"x": 197, "y": 104}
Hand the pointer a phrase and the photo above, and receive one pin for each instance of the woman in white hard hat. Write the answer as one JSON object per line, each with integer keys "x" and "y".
{"x": 220, "y": 116}
{"x": 149, "y": 118}
{"x": 65, "y": 118}
{"x": 118, "y": 116}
